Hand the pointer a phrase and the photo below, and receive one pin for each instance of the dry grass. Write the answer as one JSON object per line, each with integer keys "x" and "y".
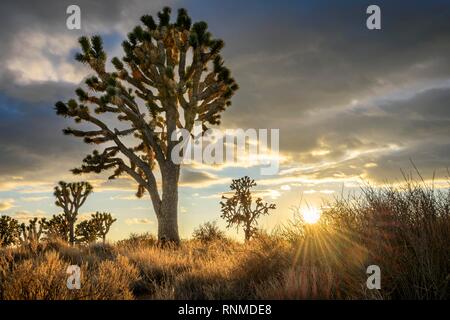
{"x": 406, "y": 232}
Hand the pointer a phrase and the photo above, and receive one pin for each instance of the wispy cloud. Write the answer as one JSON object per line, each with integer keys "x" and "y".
{"x": 6, "y": 204}
{"x": 34, "y": 199}
{"x": 26, "y": 215}
{"x": 132, "y": 221}
{"x": 125, "y": 197}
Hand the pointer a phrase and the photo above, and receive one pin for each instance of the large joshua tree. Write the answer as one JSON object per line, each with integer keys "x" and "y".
{"x": 70, "y": 197}
{"x": 172, "y": 74}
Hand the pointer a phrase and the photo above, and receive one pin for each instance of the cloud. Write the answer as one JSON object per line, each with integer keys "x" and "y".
{"x": 34, "y": 199}
{"x": 264, "y": 194}
{"x": 25, "y": 215}
{"x": 6, "y": 204}
{"x": 141, "y": 208}
{"x": 125, "y": 197}
{"x": 132, "y": 221}
{"x": 339, "y": 100}
{"x": 342, "y": 103}
{"x": 37, "y": 69}
{"x": 49, "y": 44}
{"x": 45, "y": 59}
{"x": 85, "y": 216}
{"x": 312, "y": 191}
{"x": 200, "y": 179}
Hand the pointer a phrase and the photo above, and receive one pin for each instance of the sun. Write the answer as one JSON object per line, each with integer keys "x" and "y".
{"x": 311, "y": 215}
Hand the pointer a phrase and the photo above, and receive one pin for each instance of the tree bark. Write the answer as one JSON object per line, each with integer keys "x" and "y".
{"x": 72, "y": 233}
{"x": 168, "y": 214}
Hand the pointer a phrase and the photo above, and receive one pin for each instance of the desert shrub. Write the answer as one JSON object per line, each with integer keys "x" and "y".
{"x": 205, "y": 285}
{"x": 111, "y": 280}
{"x": 102, "y": 251}
{"x": 156, "y": 266}
{"x": 72, "y": 255}
{"x": 264, "y": 258}
{"x": 34, "y": 279}
{"x": 406, "y": 231}
{"x": 299, "y": 283}
{"x": 138, "y": 240}
{"x": 209, "y": 232}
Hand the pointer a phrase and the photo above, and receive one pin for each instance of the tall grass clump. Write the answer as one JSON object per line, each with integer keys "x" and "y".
{"x": 406, "y": 231}
{"x": 209, "y": 232}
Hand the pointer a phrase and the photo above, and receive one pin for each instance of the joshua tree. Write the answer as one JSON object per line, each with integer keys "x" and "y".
{"x": 171, "y": 75}
{"x": 70, "y": 197}
{"x": 102, "y": 222}
{"x": 57, "y": 227}
{"x": 9, "y": 231}
{"x": 86, "y": 232}
{"x": 32, "y": 232}
{"x": 237, "y": 210}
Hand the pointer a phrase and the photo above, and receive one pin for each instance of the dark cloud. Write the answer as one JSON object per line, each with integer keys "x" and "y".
{"x": 342, "y": 95}
{"x": 193, "y": 178}
{"x": 34, "y": 36}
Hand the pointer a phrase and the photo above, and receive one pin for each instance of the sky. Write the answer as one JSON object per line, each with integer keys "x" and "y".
{"x": 353, "y": 105}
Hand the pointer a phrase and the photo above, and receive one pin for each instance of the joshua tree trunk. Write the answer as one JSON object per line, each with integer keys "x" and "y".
{"x": 72, "y": 232}
{"x": 168, "y": 222}
{"x": 168, "y": 213}
{"x": 247, "y": 232}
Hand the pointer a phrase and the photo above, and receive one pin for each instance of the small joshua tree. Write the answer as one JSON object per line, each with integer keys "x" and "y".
{"x": 102, "y": 222}
{"x": 70, "y": 197}
{"x": 31, "y": 233}
{"x": 238, "y": 211}
{"x": 9, "y": 231}
{"x": 57, "y": 228}
{"x": 97, "y": 227}
{"x": 86, "y": 232}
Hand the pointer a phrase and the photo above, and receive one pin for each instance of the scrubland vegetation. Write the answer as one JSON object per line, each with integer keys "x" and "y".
{"x": 405, "y": 231}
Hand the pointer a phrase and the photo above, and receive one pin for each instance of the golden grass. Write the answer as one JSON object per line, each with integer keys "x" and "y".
{"x": 406, "y": 232}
